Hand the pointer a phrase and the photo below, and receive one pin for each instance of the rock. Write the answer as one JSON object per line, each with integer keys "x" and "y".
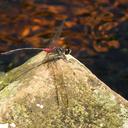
{"x": 61, "y": 93}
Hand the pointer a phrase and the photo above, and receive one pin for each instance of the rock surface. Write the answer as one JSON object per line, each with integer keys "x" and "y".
{"x": 59, "y": 94}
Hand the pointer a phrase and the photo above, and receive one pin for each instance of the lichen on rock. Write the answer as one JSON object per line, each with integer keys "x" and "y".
{"x": 59, "y": 94}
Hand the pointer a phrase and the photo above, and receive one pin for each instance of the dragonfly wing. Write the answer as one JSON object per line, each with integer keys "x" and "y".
{"x": 57, "y": 34}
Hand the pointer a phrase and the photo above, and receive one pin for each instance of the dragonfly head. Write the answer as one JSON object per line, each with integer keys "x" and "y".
{"x": 67, "y": 51}
{"x": 63, "y": 51}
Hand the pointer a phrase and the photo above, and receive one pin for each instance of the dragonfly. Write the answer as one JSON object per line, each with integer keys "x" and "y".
{"x": 60, "y": 51}
{"x": 57, "y": 53}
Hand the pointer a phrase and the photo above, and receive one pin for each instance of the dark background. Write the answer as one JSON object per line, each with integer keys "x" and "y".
{"x": 95, "y": 30}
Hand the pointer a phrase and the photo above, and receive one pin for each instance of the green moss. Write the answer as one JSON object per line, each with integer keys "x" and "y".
{"x": 14, "y": 75}
{"x": 7, "y": 92}
{"x": 4, "y": 93}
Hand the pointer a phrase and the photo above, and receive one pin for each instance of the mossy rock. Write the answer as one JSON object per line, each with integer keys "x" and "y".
{"x": 59, "y": 94}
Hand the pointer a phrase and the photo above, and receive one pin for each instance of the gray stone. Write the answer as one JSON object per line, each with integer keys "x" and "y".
{"x": 59, "y": 94}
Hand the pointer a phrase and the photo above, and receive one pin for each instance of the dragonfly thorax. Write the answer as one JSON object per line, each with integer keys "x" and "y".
{"x": 61, "y": 51}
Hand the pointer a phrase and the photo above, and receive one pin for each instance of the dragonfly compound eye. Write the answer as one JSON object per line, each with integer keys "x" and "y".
{"x": 68, "y": 51}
